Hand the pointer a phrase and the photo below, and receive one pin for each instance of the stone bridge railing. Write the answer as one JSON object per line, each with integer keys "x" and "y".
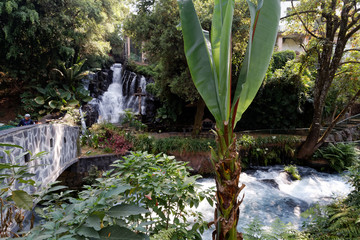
{"x": 60, "y": 142}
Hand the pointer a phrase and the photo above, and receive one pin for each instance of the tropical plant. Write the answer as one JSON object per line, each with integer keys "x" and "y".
{"x": 15, "y": 180}
{"x": 97, "y": 213}
{"x": 264, "y": 151}
{"x": 340, "y": 156}
{"x": 164, "y": 186}
{"x": 131, "y": 120}
{"x": 65, "y": 89}
{"x": 209, "y": 62}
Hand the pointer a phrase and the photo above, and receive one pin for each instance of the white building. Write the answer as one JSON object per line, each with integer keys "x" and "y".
{"x": 286, "y": 41}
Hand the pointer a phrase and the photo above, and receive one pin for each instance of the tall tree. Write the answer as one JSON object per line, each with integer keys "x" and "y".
{"x": 209, "y": 61}
{"x": 154, "y": 28}
{"x": 36, "y": 35}
{"x": 331, "y": 24}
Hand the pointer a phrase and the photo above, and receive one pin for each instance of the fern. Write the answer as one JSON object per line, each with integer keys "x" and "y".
{"x": 339, "y": 156}
{"x": 165, "y": 234}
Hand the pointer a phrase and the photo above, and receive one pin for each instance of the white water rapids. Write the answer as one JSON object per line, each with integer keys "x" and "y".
{"x": 270, "y": 194}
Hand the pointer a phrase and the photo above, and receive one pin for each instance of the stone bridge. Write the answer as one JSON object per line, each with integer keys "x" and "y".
{"x": 60, "y": 142}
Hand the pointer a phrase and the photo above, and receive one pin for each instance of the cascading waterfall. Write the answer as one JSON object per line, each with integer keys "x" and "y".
{"x": 83, "y": 124}
{"x": 270, "y": 194}
{"x": 120, "y": 96}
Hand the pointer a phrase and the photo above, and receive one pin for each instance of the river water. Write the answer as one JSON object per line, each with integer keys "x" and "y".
{"x": 271, "y": 194}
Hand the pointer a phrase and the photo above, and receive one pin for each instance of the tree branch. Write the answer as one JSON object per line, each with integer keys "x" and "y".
{"x": 353, "y": 49}
{"x": 337, "y": 119}
{"x": 355, "y": 29}
{"x": 354, "y": 62}
{"x": 302, "y": 22}
{"x": 339, "y": 73}
{"x": 302, "y": 12}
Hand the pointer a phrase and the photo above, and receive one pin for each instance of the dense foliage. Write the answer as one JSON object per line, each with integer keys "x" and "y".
{"x": 154, "y": 28}
{"x": 340, "y": 156}
{"x": 334, "y": 29}
{"x": 38, "y": 36}
{"x": 264, "y": 151}
{"x": 110, "y": 207}
{"x": 101, "y": 135}
{"x": 15, "y": 183}
{"x": 340, "y": 219}
{"x": 164, "y": 187}
{"x": 283, "y": 100}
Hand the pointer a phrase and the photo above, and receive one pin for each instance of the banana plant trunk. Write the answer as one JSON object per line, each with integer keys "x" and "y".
{"x": 227, "y": 168}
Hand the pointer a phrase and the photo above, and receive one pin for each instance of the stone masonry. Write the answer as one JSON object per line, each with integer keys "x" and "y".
{"x": 59, "y": 142}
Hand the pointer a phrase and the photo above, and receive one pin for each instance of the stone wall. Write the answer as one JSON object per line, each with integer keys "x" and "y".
{"x": 75, "y": 175}
{"x": 59, "y": 142}
{"x": 346, "y": 135}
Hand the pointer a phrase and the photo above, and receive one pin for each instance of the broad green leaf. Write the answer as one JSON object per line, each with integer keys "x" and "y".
{"x": 224, "y": 75}
{"x": 53, "y": 104}
{"x": 124, "y": 210}
{"x": 94, "y": 222}
{"x": 73, "y": 102}
{"x": 199, "y": 58}
{"x": 62, "y": 229}
{"x": 88, "y": 232}
{"x": 41, "y": 90}
{"x": 40, "y": 100}
{"x": 116, "y": 191}
{"x": 56, "y": 188}
{"x": 68, "y": 237}
{"x": 119, "y": 233}
{"x": 87, "y": 99}
{"x": 22, "y": 199}
{"x": 216, "y": 28}
{"x": 263, "y": 32}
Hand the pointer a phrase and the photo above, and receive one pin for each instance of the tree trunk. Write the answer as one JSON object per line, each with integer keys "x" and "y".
{"x": 200, "y": 108}
{"x": 227, "y": 168}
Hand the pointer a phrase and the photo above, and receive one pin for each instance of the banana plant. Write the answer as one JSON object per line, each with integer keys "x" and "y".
{"x": 209, "y": 60}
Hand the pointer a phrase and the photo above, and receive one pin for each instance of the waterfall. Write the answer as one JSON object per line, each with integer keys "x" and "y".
{"x": 121, "y": 95}
{"x": 270, "y": 194}
{"x": 83, "y": 124}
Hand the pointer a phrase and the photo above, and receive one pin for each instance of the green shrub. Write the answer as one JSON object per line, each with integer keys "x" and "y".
{"x": 279, "y": 59}
{"x": 15, "y": 185}
{"x": 340, "y": 155}
{"x": 98, "y": 212}
{"x": 164, "y": 187}
{"x": 263, "y": 151}
{"x": 145, "y": 142}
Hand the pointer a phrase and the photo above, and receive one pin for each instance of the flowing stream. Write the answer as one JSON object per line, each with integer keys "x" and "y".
{"x": 120, "y": 95}
{"x": 271, "y": 194}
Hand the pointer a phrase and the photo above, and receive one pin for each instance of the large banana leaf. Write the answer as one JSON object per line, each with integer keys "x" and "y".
{"x": 199, "y": 59}
{"x": 211, "y": 68}
{"x": 264, "y": 25}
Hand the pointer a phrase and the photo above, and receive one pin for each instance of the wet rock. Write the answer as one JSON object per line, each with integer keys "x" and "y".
{"x": 270, "y": 182}
{"x": 285, "y": 177}
{"x": 100, "y": 82}
{"x": 293, "y": 203}
{"x": 91, "y": 113}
